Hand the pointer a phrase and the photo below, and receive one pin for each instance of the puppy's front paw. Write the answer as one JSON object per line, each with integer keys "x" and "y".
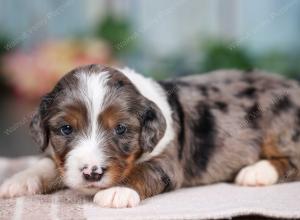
{"x": 262, "y": 173}
{"x": 21, "y": 184}
{"x": 117, "y": 197}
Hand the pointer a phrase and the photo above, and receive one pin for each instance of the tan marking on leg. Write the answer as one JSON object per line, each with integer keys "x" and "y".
{"x": 274, "y": 156}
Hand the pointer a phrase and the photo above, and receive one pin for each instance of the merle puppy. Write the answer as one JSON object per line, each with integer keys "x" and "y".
{"x": 122, "y": 137}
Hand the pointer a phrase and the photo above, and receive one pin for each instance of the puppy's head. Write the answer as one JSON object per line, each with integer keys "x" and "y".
{"x": 96, "y": 124}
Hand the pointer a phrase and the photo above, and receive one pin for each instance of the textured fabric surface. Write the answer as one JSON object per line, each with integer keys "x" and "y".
{"x": 206, "y": 202}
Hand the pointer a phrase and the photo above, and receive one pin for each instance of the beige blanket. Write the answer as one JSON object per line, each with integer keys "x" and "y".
{"x": 206, "y": 202}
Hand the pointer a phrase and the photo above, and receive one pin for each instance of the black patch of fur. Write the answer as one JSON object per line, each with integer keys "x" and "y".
{"x": 48, "y": 99}
{"x": 166, "y": 180}
{"x": 183, "y": 83}
{"x": 249, "y": 92}
{"x": 92, "y": 67}
{"x": 215, "y": 89}
{"x": 148, "y": 115}
{"x": 222, "y": 106}
{"x": 188, "y": 169}
{"x": 119, "y": 84}
{"x": 253, "y": 115}
{"x": 298, "y": 117}
{"x": 171, "y": 91}
{"x": 204, "y": 128}
{"x": 296, "y": 135}
{"x": 203, "y": 89}
{"x": 282, "y": 104}
{"x": 247, "y": 78}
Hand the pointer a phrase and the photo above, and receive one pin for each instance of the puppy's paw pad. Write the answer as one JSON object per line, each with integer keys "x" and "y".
{"x": 262, "y": 173}
{"x": 21, "y": 184}
{"x": 117, "y": 197}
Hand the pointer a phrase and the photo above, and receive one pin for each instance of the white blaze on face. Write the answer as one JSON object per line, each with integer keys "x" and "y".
{"x": 88, "y": 152}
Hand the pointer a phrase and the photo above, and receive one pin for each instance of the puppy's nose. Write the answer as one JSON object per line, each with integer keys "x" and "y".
{"x": 92, "y": 174}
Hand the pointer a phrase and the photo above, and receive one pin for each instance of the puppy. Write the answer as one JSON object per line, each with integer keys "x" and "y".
{"x": 122, "y": 137}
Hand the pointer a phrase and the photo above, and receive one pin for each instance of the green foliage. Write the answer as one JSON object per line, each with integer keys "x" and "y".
{"x": 3, "y": 43}
{"x": 275, "y": 61}
{"x": 218, "y": 55}
{"x": 118, "y": 32}
{"x": 172, "y": 65}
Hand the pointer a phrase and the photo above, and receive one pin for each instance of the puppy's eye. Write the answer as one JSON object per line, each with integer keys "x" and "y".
{"x": 120, "y": 129}
{"x": 66, "y": 130}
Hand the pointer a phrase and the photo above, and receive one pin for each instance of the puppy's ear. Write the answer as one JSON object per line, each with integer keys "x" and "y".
{"x": 38, "y": 126}
{"x": 38, "y": 129}
{"x": 153, "y": 127}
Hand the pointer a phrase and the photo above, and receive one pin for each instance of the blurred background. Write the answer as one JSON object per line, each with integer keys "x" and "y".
{"x": 40, "y": 41}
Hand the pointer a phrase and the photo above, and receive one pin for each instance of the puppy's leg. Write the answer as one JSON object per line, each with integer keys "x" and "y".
{"x": 266, "y": 172}
{"x": 41, "y": 177}
{"x": 144, "y": 181}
